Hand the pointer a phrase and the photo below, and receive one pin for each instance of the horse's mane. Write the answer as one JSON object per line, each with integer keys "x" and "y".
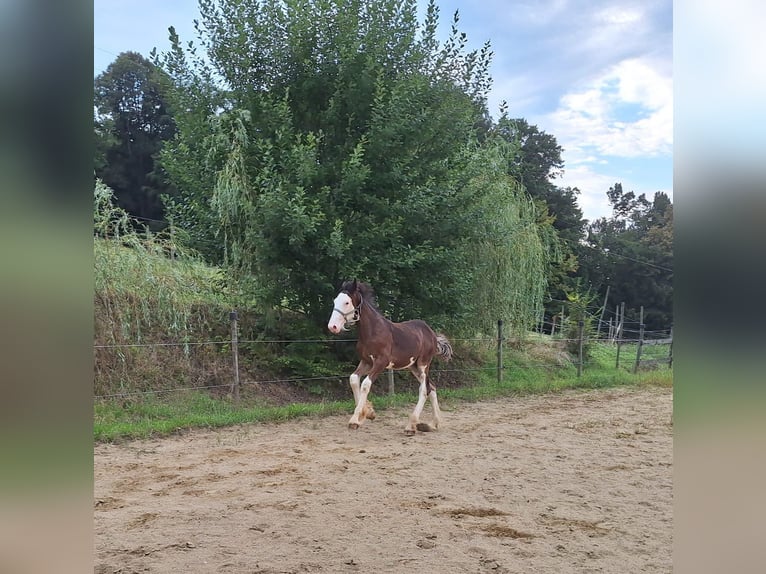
{"x": 367, "y": 292}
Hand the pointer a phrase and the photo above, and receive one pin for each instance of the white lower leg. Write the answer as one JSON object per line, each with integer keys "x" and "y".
{"x": 415, "y": 416}
{"x": 437, "y": 411}
{"x": 354, "y": 382}
{"x": 361, "y": 399}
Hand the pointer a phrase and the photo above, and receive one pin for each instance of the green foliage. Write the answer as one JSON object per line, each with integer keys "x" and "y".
{"x": 342, "y": 140}
{"x": 150, "y": 267}
{"x": 536, "y": 165}
{"x": 632, "y": 252}
{"x": 132, "y": 119}
{"x": 507, "y": 250}
{"x": 578, "y": 305}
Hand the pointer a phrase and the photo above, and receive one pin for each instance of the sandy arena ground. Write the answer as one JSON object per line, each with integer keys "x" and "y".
{"x": 574, "y": 482}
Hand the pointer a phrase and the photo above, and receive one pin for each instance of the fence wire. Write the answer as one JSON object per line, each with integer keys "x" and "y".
{"x": 622, "y": 341}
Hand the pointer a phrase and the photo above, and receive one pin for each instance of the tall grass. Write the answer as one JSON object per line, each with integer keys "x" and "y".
{"x": 144, "y": 280}
{"x": 148, "y": 289}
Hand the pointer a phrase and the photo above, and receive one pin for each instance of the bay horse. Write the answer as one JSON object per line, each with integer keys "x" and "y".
{"x": 382, "y": 345}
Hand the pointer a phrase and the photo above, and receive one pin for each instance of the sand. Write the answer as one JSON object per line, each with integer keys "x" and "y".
{"x": 579, "y": 481}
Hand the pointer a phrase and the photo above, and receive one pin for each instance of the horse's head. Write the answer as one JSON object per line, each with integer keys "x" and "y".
{"x": 345, "y": 307}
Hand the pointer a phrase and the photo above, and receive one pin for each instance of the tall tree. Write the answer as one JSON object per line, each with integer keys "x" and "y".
{"x": 132, "y": 120}
{"x": 632, "y": 253}
{"x": 346, "y": 141}
{"x": 536, "y": 166}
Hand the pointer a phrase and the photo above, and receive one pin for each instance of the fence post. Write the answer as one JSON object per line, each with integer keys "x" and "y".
{"x": 603, "y": 308}
{"x": 561, "y": 327}
{"x": 581, "y": 329}
{"x": 640, "y": 340}
{"x": 670, "y": 350}
{"x": 618, "y": 339}
{"x": 235, "y": 355}
{"x": 499, "y": 351}
{"x": 390, "y": 381}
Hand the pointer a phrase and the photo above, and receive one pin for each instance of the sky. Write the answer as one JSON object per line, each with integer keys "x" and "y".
{"x": 595, "y": 74}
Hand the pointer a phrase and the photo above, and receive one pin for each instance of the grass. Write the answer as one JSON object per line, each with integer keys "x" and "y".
{"x": 528, "y": 371}
{"x": 154, "y": 417}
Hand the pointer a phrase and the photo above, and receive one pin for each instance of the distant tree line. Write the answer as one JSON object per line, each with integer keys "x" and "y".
{"x": 315, "y": 142}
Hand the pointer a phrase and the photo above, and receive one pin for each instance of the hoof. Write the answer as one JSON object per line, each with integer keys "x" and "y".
{"x": 368, "y": 412}
{"x": 409, "y": 432}
{"x": 424, "y": 427}
{"x": 353, "y": 426}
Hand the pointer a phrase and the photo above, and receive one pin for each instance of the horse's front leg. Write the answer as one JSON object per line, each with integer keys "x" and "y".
{"x": 362, "y": 407}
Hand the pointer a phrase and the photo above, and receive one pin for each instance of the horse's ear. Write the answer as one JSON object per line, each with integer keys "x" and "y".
{"x": 354, "y": 286}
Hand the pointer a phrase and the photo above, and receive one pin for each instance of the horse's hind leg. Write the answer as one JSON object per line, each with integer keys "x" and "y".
{"x": 414, "y": 423}
{"x": 434, "y": 404}
{"x": 427, "y": 390}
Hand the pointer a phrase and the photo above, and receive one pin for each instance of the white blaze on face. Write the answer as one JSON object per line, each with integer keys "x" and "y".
{"x": 341, "y": 304}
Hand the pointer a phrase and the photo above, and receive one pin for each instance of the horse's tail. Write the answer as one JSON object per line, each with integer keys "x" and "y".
{"x": 443, "y": 347}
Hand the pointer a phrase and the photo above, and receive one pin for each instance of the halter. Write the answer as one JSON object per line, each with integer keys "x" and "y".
{"x": 355, "y": 313}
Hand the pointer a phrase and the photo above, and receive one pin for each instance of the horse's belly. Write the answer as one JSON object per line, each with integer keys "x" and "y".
{"x": 401, "y": 363}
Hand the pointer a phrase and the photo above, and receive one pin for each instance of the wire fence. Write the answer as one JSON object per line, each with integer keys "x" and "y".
{"x": 648, "y": 347}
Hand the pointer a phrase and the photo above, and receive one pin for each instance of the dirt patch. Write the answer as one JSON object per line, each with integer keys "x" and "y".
{"x": 554, "y": 483}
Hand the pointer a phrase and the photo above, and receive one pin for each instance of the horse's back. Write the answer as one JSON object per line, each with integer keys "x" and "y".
{"x": 416, "y": 335}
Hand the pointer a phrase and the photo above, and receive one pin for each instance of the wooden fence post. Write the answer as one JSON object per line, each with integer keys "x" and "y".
{"x": 499, "y": 351}
{"x": 390, "y": 381}
{"x": 670, "y": 350}
{"x": 603, "y": 308}
{"x": 618, "y": 337}
{"x": 561, "y": 326}
{"x": 581, "y": 329}
{"x": 235, "y": 355}
{"x": 640, "y": 340}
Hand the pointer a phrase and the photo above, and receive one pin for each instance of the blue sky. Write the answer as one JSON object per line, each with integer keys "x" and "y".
{"x": 596, "y": 74}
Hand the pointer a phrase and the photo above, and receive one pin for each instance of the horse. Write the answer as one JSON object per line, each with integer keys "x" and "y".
{"x": 383, "y": 344}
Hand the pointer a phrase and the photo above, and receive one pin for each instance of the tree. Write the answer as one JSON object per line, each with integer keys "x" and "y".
{"x": 536, "y": 165}
{"x": 132, "y": 120}
{"x": 632, "y": 252}
{"x": 345, "y": 141}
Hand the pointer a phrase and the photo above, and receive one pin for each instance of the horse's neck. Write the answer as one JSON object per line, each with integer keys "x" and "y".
{"x": 371, "y": 321}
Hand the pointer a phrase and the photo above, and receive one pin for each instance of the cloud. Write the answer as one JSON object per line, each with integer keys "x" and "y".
{"x": 592, "y": 185}
{"x": 616, "y": 127}
{"x": 625, "y": 112}
{"x": 595, "y": 177}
